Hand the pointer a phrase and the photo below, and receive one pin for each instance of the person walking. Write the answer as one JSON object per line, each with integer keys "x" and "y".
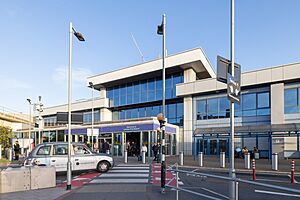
{"x": 17, "y": 150}
{"x": 155, "y": 150}
{"x": 106, "y": 147}
{"x": 128, "y": 148}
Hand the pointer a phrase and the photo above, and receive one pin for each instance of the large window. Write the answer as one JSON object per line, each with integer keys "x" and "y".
{"x": 174, "y": 113}
{"x": 292, "y": 100}
{"x": 87, "y": 117}
{"x": 252, "y": 104}
{"x": 146, "y": 90}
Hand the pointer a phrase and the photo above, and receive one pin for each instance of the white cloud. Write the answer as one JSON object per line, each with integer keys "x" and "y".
{"x": 79, "y": 75}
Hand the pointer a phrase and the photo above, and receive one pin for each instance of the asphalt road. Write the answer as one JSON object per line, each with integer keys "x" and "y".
{"x": 218, "y": 189}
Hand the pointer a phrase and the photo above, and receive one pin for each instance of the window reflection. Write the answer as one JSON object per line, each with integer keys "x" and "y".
{"x": 143, "y": 91}
{"x": 252, "y": 104}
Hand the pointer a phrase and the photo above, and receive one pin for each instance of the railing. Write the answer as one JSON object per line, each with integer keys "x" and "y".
{"x": 12, "y": 114}
{"x": 236, "y": 180}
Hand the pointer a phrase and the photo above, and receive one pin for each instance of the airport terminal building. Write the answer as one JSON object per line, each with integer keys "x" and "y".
{"x": 197, "y": 109}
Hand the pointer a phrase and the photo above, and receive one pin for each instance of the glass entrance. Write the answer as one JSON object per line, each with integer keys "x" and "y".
{"x": 212, "y": 146}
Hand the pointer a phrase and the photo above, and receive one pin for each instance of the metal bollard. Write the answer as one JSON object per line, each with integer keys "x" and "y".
{"x": 200, "y": 159}
{"x": 144, "y": 157}
{"x": 0, "y": 151}
{"x": 10, "y": 154}
{"x": 253, "y": 170}
{"x": 247, "y": 161}
{"x": 222, "y": 159}
{"x": 107, "y": 152}
{"x": 275, "y": 161}
{"x": 125, "y": 157}
{"x": 292, "y": 172}
{"x": 181, "y": 158}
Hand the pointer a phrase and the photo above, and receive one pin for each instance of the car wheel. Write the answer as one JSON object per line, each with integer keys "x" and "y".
{"x": 103, "y": 166}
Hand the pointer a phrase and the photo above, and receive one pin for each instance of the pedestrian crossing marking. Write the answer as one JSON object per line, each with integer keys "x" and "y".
{"x": 124, "y": 173}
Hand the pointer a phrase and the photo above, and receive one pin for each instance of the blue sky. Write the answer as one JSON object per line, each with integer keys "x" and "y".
{"x": 34, "y": 39}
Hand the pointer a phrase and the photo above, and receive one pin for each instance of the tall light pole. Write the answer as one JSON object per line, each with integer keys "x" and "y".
{"x": 40, "y": 110}
{"x": 92, "y": 86}
{"x": 161, "y": 30}
{"x": 232, "y": 186}
{"x": 69, "y": 164}
{"x": 29, "y": 127}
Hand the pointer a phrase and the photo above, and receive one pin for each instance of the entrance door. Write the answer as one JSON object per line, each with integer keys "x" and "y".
{"x": 134, "y": 140}
{"x": 212, "y": 146}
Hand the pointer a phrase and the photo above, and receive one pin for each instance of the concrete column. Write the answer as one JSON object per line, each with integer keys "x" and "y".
{"x": 277, "y": 103}
{"x": 188, "y": 125}
{"x": 102, "y": 92}
{"x": 189, "y": 75}
{"x": 105, "y": 114}
{"x": 65, "y": 138}
{"x": 277, "y": 115}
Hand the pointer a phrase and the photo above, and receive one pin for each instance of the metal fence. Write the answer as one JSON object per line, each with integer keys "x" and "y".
{"x": 174, "y": 168}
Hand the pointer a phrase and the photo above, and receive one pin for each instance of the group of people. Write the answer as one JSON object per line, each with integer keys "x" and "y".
{"x": 131, "y": 148}
{"x": 240, "y": 153}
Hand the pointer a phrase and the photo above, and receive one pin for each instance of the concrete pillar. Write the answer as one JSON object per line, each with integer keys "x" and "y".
{"x": 277, "y": 115}
{"x": 76, "y": 138}
{"x": 188, "y": 125}
{"x": 105, "y": 114}
{"x": 277, "y": 103}
{"x": 189, "y": 76}
{"x": 102, "y": 92}
{"x": 65, "y": 138}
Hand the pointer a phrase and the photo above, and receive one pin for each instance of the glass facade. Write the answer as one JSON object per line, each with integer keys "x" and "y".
{"x": 292, "y": 100}
{"x": 146, "y": 90}
{"x": 252, "y": 104}
{"x": 174, "y": 113}
{"x": 87, "y": 117}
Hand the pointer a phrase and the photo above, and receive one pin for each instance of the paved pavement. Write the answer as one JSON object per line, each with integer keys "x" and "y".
{"x": 137, "y": 180}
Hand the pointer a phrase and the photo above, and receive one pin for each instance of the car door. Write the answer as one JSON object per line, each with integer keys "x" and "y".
{"x": 83, "y": 158}
{"x": 59, "y": 158}
{"x": 42, "y": 156}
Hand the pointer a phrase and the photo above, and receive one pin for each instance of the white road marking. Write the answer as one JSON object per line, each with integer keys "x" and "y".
{"x": 132, "y": 165}
{"x": 277, "y": 193}
{"x": 294, "y": 179}
{"x": 126, "y": 171}
{"x": 127, "y": 167}
{"x": 213, "y": 192}
{"x": 119, "y": 181}
{"x": 124, "y": 175}
{"x": 270, "y": 180}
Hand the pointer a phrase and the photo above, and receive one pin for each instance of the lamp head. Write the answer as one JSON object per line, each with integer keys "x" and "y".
{"x": 29, "y": 101}
{"x": 91, "y": 84}
{"x": 79, "y": 36}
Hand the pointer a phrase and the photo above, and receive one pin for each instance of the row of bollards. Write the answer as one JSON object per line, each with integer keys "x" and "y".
{"x": 143, "y": 157}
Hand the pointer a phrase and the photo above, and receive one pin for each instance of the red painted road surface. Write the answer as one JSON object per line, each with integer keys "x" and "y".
{"x": 156, "y": 173}
{"x": 80, "y": 180}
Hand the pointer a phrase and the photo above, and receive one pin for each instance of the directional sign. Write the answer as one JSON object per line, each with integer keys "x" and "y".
{"x": 224, "y": 67}
{"x": 233, "y": 89}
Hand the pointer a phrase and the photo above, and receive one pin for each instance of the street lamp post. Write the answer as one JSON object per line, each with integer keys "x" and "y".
{"x": 69, "y": 164}
{"x": 40, "y": 110}
{"x": 92, "y": 86}
{"x": 161, "y": 30}
{"x": 29, "y": 127}
{"x": 232, "y": 186}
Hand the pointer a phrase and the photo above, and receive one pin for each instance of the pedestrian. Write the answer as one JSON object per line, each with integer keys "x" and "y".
{"x": 144, "y": 148}
{"x": 17, "y": 150}
{"x": 155, "y": 150}
{"x": 133, "y": 149}
{"x": 128, "y": 148}
{"x": 106, "y": 147}
{"x": 96, "y": 146}
{"x": 244, "y": 151}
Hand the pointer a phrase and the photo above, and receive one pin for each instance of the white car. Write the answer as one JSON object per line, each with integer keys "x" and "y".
{"x": 56, "y": 154}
